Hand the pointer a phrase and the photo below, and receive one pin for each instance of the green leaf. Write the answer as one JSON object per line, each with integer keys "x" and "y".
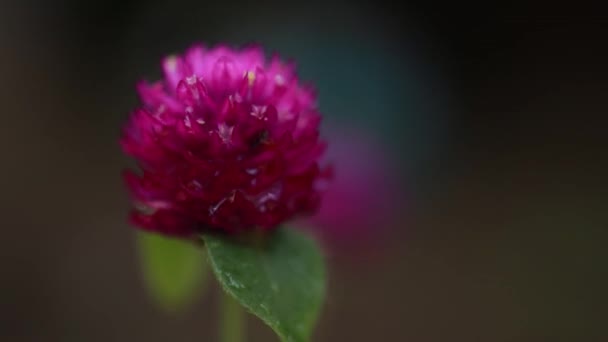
{"x": 175, "y": 271}
{"x": 280, "y": 278}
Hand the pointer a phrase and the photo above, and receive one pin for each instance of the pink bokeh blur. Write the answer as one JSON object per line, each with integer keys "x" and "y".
{"x": 365, "y": 198}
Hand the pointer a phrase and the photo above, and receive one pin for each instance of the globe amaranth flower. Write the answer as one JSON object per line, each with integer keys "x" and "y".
{"x": 228, "y": 141}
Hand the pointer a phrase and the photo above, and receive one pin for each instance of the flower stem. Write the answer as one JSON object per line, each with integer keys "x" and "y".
{"x": 232, "y": 319}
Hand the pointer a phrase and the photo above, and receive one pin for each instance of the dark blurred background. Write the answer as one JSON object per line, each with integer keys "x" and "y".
{"x": 494, "y": 116}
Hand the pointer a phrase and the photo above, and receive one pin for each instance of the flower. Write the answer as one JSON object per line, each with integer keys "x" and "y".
{"x": 226, "y": 142}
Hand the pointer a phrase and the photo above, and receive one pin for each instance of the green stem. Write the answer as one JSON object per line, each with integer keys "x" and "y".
{"x": 232, "y": 319}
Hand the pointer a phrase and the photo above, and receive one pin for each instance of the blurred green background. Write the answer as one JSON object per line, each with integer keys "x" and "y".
{"x": 495, "y": 118}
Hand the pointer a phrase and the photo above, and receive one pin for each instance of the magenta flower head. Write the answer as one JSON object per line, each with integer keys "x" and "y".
{"x": 227, "y": 141}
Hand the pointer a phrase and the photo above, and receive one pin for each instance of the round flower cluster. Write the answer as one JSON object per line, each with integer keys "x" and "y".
{"x": 227, "y": 141}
